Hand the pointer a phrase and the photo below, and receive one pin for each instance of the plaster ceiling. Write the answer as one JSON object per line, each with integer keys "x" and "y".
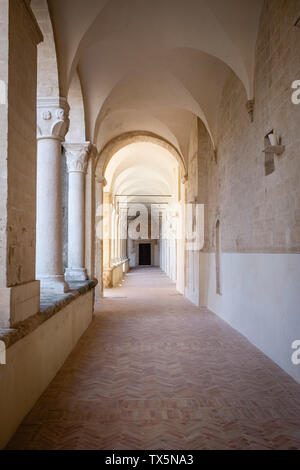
{"x": 153, "y": 64}
{"x": 141, "y": 169}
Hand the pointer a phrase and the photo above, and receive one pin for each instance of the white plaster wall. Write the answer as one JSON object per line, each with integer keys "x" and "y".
{"x": 173, "y": 264}
{"x": 260, "y": 298}
{"x": 192, "y": 287}
{"x": 34, "y": 361}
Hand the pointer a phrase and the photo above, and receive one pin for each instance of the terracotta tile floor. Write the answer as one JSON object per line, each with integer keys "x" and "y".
{"x": 155, "y": 372}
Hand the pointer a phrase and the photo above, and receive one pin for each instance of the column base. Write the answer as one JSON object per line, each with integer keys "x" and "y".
{"x": 76, "y": 274}
{"x": 55, "y": 284}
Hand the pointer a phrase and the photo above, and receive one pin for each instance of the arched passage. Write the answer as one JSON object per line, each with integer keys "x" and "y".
{"x": 123, "y": 140}
{"x": 144, "y": 177}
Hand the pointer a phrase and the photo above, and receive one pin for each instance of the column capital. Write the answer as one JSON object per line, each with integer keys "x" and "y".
{"x": 77, "y": 156}
{"x": 52, "y": 118}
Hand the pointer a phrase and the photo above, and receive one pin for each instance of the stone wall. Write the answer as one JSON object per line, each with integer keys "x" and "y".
{"x": 260, "y": 213}
{"x": 192, "y": 183}
{"x": 191, "y": 195}
{"x": 3, "y": 136}
{"x": 200, "y": 156}
{"x": 18, "y": 149}
{"x": 76, "y": 132}
{"x": 33, "y": 361}
{"x": 48, "y": 84}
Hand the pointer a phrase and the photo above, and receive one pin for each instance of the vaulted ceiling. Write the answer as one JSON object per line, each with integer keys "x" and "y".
{"x": 153, "y": 65}
{"x": 141, "y": 169}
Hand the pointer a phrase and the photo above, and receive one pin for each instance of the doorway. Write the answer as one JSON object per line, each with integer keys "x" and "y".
{"x": 145, "y": 254}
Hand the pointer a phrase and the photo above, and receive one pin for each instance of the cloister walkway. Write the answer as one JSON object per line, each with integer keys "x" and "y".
{"x": 155, "y": 372}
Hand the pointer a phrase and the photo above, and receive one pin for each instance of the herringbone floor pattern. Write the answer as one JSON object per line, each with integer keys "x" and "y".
{"x": 155, "y": 372}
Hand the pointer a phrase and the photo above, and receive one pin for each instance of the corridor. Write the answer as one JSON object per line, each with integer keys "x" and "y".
{"x": 155, "y": 372}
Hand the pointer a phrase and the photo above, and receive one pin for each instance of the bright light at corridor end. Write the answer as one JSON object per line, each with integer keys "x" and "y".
{"x": 156, "y": 221}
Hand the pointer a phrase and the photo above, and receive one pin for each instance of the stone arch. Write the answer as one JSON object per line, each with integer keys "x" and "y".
{"x": 77, "y": 131}
{"x": 132, "y": 137}
{"x": 180, "y": 100}
{"x": 47, "y": 66}
{"x": 225, "y": 49}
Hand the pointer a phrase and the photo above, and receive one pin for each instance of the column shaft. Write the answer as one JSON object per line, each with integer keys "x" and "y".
{"x": 49, "y": 210}
{"x": 52, "y": 120}
{"x": 77, "y": 159}
{"x": 100, "y": 183}
{"x": 76, "y": 227}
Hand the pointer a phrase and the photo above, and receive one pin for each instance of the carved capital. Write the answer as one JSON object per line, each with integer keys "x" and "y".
{"x": 77, "y": 156}
{"x": 52, "y": 118}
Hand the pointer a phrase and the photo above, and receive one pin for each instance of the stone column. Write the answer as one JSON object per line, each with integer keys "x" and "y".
{"x": 52, "y": 126}
{"x": 116, "y": 239}
{"x": 77, "y": 161}
{"x": 107, "y": 238}
{"x": 119, "y": 236}
{"x": 123, "y": 232}
{"x": 100, "y": 184}
{"x": 90, "y": 213}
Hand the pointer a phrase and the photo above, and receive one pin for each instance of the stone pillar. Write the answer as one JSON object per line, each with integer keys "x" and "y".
{"x": 107, "y": 238}
{"x": 52, "y": 126}
{"x": 123, "y": 232}
{"x": 113, "y": 236}
{"x": 117, "y": 236}
{"x": 90, "y": 213}
{"x": 100, "y": 184}
{"x": 77, "y": 161}
{"x": 116, "y": 239}
{"x": 19, "y": 36}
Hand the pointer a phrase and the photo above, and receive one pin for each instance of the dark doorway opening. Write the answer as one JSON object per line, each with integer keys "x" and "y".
{"x": 145, "y": 254}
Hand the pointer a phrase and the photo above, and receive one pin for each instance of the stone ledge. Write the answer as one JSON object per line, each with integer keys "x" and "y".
{"x": 50, "y": 304}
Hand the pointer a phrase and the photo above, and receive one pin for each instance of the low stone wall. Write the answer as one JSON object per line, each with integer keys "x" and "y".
{"x": 113, "y": 275}
{"x": 117, "y": 274}
{"x": 37, "y": 349}
{"x": 126, "y": 266}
